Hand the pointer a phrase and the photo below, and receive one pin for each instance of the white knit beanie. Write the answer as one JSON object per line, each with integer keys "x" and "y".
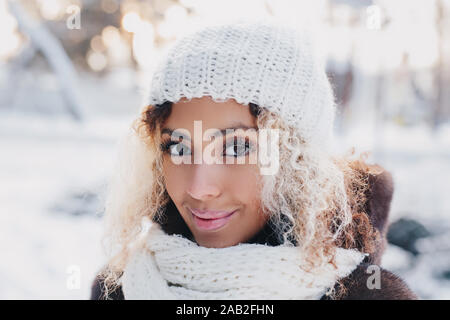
{"x": 264, "y": 63}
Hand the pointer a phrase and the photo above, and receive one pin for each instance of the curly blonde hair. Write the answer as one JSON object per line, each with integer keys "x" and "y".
{"x": 315, "y": 200}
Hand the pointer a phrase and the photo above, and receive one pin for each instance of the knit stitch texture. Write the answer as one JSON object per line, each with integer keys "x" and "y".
{"x": 268, "y": 64}
{"x": 173, "y": 267}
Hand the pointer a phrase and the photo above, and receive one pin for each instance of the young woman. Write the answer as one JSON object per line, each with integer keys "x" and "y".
{"x": 227, "y": 188}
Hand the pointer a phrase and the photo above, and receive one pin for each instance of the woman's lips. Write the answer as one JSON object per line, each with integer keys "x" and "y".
{"x": 211, "y": 220}
{"x": 209, "y": 214}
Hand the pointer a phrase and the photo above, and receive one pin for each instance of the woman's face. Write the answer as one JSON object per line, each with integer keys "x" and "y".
{"x": 218, "y": 201}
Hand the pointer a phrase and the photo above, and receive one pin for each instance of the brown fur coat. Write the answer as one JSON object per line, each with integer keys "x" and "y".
{"x": 353, "y": 287}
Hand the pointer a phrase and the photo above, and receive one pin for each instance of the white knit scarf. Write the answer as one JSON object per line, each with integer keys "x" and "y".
{"x": 173, "y": 267}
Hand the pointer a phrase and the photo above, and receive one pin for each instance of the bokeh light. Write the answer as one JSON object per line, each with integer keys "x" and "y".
{"x": 131, "y": 21}
{"x": 96, "y": 60}
{"x": 52, "y": 9}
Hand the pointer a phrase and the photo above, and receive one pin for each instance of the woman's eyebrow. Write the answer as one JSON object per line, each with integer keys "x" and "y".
{"x": 237, "y": 126}
{"x": 167, "y": 131}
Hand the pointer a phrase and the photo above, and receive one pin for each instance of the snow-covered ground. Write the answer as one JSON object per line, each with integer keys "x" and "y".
{"x": 50, "y": 170}
{"x": 53, "y": 174}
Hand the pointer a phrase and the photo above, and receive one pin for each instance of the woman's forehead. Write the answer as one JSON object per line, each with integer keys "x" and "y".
{"x": 210, "y": 114}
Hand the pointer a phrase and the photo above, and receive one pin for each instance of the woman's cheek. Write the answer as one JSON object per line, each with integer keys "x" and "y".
{"x": 174, "y": 177}
{"x": 244, "y": 182}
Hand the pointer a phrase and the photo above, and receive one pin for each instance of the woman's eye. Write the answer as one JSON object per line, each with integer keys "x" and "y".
{"x": 176, "y": 149}
{"x": 179, "y": 150}
{"x": 238, "y": 148}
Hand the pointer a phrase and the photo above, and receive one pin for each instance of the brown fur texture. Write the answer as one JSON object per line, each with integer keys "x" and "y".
{"x": 353, "y": 287}
{"x": 378, "y": 206}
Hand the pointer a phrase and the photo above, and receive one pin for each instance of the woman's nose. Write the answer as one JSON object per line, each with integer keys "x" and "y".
{"x": 205, "y": 182}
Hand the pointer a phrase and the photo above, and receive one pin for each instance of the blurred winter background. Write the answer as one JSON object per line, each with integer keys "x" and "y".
{"x": 72, "y": 74}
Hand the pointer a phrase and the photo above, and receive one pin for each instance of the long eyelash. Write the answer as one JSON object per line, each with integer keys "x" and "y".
{"x": 237, "y": 139}
{"x": 166, "y": 145}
